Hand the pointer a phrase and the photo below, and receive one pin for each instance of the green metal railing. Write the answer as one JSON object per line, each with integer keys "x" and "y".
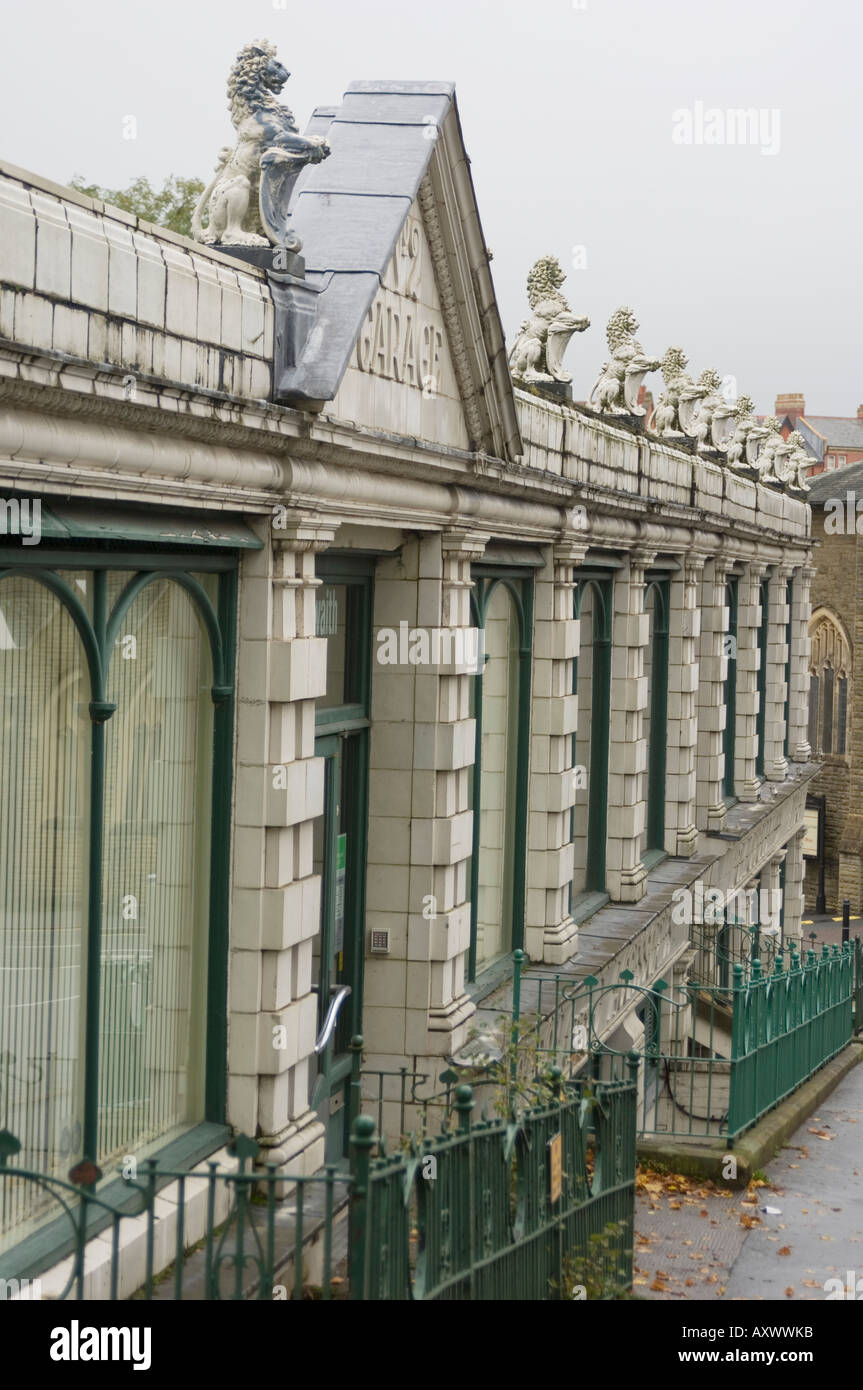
{"x": 475, "y": 1214}
{"x": 787, "y": 1025}
{"x": 510, "y": 1208}
{"x": 714, "y": 1058}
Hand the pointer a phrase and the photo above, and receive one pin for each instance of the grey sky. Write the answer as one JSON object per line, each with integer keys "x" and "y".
{"x": 750, "y": 261}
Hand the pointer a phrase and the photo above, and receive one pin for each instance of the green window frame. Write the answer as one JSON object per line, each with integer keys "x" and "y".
{"x": 99, "y": 625}
{"x": 658, "y": 720}
{"x": 342, "y": 737}
{"x": 486, "y": 580}
{"x": 729, "y": 695}
{"x": 763, "y": 630}
{"x": 789, "y": 595}
{"x": 600, "y": 584}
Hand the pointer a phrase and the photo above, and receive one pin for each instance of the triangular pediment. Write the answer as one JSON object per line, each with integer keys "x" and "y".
{"x": 401, "y": 377}
{"x": 408, "y": 338}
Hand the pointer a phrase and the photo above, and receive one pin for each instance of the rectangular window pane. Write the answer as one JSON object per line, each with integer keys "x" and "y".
{"x": 842, "y": 716}
{"x": 827, "y": 742}
{"x": 812, "y": 734}
{"x": 156, "y": 872}
{"x": 44, "y": 842}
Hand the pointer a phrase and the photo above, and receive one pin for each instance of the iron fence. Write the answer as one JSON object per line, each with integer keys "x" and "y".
{"x": 503, "y": 1209}
{"x": 713, "y": 1058}
{"x": 508, "y": 1208}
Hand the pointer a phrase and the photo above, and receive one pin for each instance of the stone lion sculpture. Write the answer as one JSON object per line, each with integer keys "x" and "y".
{"x": 249, "y": 194}
{"x": 770, "y": 463}
{"x": 706, "y": 413}
{"x": 680, "y": 390}
{"x": 799, "y": 463}
{"x": 617, "y": 386}
{"x": 537, "y": 353}
{"x": 745, "y": 435}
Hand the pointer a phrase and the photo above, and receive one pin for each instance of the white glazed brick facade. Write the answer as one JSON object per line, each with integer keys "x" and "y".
{"x": 775, "y": 761}
{"x": 89, "y": 296}
{"x": 712, "y": 672}
{"x": 550, "y": 933}
{"x": 684, "y": 632}
{"x": 627, "y": 778}
{"x": 276, "y": 896}
{"x": 746, "y": 780}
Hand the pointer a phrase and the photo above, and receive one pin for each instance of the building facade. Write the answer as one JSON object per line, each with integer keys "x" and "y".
{"x": 341, "y": 667}
{"x": 836, "y": 874}
{"x": 834, "y": 441}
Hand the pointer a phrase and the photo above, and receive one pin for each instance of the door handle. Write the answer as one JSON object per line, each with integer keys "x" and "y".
{"x": 331, "y": 1019}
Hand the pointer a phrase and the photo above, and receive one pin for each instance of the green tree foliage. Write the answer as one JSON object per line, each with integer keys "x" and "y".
{"x": 170, "y": 206}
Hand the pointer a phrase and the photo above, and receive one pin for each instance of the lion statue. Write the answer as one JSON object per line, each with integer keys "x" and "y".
{"x": 617, "y": 387}
{"x": 799, "y": 463}
{"x": 537, "y": 354}
{"x": 678, "y": 385}
{"x": 771, "y": 461}
{"x": 708, "y": 420}
{"x": 745, "y": 434}
{"x": 249, "y": 194}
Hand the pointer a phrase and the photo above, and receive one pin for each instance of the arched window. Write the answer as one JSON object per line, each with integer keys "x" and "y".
{"x": 829, "y": 674}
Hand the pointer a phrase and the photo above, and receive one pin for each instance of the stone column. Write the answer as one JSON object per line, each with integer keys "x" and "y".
{"x": 627, "y": 781}
{"x": 775, "y": 764}
{"x": 550, "y": 933}
{"x": 275, "y": 894}
{"x": 681, "y": 834}
{"x": 798, "y": 741}
{"x": 442, "y": 746}
{"x": 794, "y": 868}
{"x": 770, "y": 900}
{"x": 746, "y": 780}
{"x": 712, "y": 669}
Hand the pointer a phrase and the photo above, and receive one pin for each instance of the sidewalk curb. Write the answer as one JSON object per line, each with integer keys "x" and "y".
{"x": 707, "y": 1158}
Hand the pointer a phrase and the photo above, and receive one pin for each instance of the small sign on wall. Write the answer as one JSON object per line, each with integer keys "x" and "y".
{"x": 811, "y": 819}
{"x": 555, "y": 1168}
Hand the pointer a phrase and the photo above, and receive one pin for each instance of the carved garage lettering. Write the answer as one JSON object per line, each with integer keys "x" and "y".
{"x": 398, "y": 341}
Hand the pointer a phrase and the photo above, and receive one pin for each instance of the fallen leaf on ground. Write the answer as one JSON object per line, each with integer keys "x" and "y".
{"x": 785, "y": 1250}
{"x": 789, "y": 1293}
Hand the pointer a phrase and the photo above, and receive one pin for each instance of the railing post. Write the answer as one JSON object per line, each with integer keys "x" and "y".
{"x": 355, "y": 1090}
{"x": 362, "y": 1143}
{"x": 518, "y": 959}
{"x": 738, "y": 1033}
{"x": 464, "y": 1105}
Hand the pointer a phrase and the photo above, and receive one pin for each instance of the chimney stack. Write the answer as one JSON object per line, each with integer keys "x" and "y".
{"x": 860, "y": 412}
{"x": 793, "y": 405}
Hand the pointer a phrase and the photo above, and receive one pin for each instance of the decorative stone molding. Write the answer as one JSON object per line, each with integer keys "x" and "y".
{"x": 449, "y": 307}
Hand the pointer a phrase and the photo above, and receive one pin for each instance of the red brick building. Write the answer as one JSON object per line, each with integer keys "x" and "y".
{"x": 834, "y": 441}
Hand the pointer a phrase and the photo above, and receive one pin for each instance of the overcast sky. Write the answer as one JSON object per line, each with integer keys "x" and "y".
{"x": 749, "y": 260}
